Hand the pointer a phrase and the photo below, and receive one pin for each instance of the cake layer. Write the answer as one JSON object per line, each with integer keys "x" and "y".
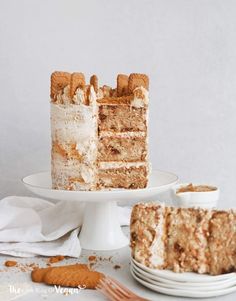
{"x": 121, "y": 118}
{"x": 126, "y": 149}
{"x": 222, "y": 242}
{"x": 123, "y": 177}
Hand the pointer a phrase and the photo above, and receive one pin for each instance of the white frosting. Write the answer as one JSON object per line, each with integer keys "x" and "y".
{"x": 64, "y": 97}
{"x": 137, "y": 103}
{"x": 157, "y": 248}
{"x": 118, "y": 164}
{"x": 71, "y": 122}
{"x": 140, "y": 102}
{"x": 92, "y": 97}
{"x": 79, "y": 97}
{"x": 74, "y": 169}
{"x": 121, "y": 135}
{"x": 75, "y": 124}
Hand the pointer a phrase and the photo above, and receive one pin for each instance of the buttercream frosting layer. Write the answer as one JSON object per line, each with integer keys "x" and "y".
{"x": 74, "y": 145}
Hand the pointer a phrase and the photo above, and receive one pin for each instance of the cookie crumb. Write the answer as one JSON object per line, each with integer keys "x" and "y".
{"x": 92, "y": 261}
{"x": 32, "y": 266}
{"x": 10, "y": 263}
{"x": 57, "y": 258}
{"x": 92, "y": 258}
{"x": 117, "y": 267}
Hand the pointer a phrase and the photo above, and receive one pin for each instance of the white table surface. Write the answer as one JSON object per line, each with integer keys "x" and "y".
{"x": 13, "y": 276}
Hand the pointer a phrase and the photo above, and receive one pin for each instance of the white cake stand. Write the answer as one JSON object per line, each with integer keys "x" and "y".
{"x": 101, "y": 228}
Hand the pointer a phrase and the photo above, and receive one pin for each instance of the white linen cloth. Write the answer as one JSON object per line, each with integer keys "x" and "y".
{"x": 32, "y": 226}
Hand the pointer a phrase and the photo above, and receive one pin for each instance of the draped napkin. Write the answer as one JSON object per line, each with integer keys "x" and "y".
{"x": 32, "y": 226}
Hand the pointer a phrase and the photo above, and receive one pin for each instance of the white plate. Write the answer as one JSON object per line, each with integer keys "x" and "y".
{"x": 183, "y": 277}
{"x": 41, "y": 184}
{"x": 183, "y": 293}
{"x": 208, "y": 286}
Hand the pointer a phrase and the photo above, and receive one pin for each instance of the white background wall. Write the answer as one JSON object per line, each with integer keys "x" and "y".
{"x": 188, "y": 48}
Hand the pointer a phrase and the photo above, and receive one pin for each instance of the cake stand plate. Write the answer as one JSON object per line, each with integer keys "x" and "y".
{"x": 101, "y": 229}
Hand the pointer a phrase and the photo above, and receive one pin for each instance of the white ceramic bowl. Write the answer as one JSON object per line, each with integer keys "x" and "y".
{"x": 203, "y": 199}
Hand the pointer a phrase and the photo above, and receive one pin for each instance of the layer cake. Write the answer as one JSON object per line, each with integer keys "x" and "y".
{"x": 99, "y": 134}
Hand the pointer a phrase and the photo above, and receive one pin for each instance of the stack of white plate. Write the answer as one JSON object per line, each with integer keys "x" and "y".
{"x": 183, "y": 284}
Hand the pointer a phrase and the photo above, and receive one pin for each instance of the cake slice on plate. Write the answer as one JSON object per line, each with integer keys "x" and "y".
{"x": 184, "y": 239}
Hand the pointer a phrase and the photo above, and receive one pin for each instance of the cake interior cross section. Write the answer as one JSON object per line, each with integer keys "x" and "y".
{"x": 99, "y": 134}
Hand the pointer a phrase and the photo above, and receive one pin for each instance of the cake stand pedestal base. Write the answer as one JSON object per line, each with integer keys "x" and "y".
{"x": 101, "y": 228}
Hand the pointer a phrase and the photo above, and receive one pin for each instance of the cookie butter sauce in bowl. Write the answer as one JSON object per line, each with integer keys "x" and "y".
{"x": 195, "y": 195}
